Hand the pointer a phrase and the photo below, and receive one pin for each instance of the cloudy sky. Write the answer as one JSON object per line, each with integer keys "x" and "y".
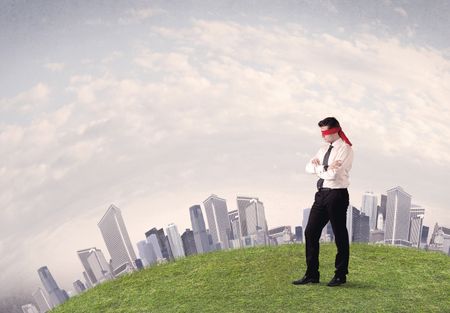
{"x": 155, "y": 105}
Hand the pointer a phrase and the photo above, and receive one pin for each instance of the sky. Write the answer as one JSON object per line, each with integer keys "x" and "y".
{"x": 155, "y": 105}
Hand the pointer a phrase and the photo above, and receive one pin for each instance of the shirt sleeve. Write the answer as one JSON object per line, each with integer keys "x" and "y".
{"x": 311, "y": 168}
{"x": 347, "y": 159}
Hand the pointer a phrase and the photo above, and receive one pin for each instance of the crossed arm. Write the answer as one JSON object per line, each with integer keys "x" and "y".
{"x": 343, "y": 161}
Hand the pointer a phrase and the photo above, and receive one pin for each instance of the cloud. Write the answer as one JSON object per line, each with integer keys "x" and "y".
{"x": 138, "y": 15}
{"x": 26, "y": 101}
{"x": 401, "y": 11}
{"x": 55, "y": 67}
{"x": 228, "y": 108}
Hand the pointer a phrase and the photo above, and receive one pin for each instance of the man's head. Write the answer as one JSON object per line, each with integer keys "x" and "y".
{"x": 328, "y": 123}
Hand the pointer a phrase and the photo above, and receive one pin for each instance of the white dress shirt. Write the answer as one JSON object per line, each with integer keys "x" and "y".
{"x": 333, "y": 178}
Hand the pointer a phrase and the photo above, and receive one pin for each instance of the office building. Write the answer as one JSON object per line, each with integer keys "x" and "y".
{"x": 397, "y": 217}
{"x": 199, "y": 229}
{"x": 175, "y": 241}
{"x": 117, "y": 240}
{"x": 218, "y": 221}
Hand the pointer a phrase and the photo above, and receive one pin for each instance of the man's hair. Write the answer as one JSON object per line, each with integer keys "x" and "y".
{"x": 331, "y": 122}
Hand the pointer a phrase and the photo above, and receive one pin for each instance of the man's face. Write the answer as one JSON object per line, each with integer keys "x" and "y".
{"x": 328, "y": 138}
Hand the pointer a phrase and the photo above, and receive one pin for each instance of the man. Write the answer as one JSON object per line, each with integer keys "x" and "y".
{"x": 331, "y": 164}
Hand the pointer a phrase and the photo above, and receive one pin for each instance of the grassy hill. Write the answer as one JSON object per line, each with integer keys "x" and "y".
{"x": 381, "y": 279}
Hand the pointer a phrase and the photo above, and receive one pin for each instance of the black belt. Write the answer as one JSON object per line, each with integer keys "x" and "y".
{"x": 328, "y": 189}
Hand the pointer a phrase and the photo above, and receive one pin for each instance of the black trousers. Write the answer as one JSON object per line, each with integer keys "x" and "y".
{"x": 329, "y": 205}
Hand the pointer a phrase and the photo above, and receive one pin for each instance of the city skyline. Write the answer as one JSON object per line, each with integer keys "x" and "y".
{"x": 154, "y": 105}
{"x": 353, "y": 214}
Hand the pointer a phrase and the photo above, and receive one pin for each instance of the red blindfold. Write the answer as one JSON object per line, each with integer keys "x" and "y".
{"x": 336, "y": 130}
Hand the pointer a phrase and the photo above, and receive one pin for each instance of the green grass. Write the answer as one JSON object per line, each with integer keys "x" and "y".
{"x": 381, "y": 279}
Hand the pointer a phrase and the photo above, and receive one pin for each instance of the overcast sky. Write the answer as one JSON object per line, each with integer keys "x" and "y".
{"x": 153, "y": 106}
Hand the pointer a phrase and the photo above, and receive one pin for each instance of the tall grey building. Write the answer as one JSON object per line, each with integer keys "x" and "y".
{"x": 381, "y": 212}
{"x": 42, "y": 300}
{"x": 218, "y": 221}
{"x": 83, "y": 255}
{"x": 188, "y": 242}
{"x": 117, "y": 241}
{"x": 88, "y": 281}
{"x": 153, "y": 241}
{"x": 146, "y": 252}
{"x": 175, "y": 241}
{"x": 305, "y": 221}
{"x": 199, "y": 229}
{"x": 352, "y": 222}
{"x": 298, "y": 234}
{"x": 56, "y": 295}
{"x": 100, "y": 267}
{"x": 234, "y": 223}
{"x": 369, "y": 208}
{"x": 424, "y": 236}
{"x": 357, "y": 225}
{"x": 362, "y": 234}
{"x": 397, "y": 217}
{"x": 163, "y": 242}
{"x": 416, "y": 222}
{"x": 253, "y": 219}
{"x": 96, "y": 267}
{"x": 235, "y": 239}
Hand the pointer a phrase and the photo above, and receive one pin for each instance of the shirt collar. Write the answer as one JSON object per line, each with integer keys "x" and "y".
{"x": 337, "y": 142}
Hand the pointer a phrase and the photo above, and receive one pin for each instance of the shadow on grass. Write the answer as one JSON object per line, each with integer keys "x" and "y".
{"x": 352, "y": 285}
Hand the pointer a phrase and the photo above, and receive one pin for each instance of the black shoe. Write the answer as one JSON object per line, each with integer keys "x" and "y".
{"x": 337, "y": 280}
{"x": 305, "y": 280}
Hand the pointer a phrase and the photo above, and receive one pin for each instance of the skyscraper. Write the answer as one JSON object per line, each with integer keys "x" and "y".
{"x": 369, "y": 208}
{"x": 362, "y": 234}
{"x": 188, "y": 242}
{"x": 424, "y": 236}
{"x": 251, "y": 211}
{"x": 416, "y": 223}
{"x": 88, "y": 281}
{"x": 163, "y": 242}
{"x": 117, "y": 240}
{"x": 305, "y": 221}
{"x": 235, "y": 240}
{"x": 153, "y": 241}
{"x": 175, "y": 241}
{"x": 381, "y": 213}
{"x": 352, "y": 222}
{"x": 298, "y": 234}
{"x": 146, "y": 252}
{"x": 199, "y": 229}
{"x": 397, "y": 217}
{"x": 218, "y": 221}
{"x": 56, "y": 295}
{"x": 357, "y": 225}
{"x": 99, "y": 265}
{"x": 83, "y": 255}
{"x": 42, "y": 300}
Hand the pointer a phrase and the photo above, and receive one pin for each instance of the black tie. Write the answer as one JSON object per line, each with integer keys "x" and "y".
{"x": 325, "y": 164}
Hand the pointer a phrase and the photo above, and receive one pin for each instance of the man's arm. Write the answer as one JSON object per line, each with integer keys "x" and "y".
{"x": 347, "y": 158}
{"x": 312, "y": 168}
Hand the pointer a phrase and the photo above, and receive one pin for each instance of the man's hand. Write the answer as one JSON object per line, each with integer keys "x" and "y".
{"x": 335, "y": 165}
{"x": 315, "y": 161}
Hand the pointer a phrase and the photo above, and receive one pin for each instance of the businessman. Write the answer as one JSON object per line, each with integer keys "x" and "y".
{"x": 331, "y": 164}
